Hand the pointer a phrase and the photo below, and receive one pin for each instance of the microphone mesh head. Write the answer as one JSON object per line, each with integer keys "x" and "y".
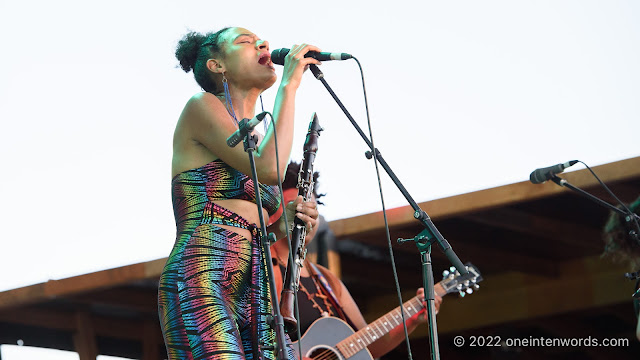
{"x": 537, "y": 177}
{"x": 277, "y": 56}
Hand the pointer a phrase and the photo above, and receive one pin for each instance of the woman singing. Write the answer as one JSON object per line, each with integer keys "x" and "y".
{"x": 213, "y": 292}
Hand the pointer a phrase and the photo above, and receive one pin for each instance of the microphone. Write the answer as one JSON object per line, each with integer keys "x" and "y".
{"x": 538, "y": 176}
{"x": 277, "y": 56}
{"x": 245, "y": 126}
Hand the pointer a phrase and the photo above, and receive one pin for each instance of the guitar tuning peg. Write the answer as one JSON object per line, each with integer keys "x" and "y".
{"x": 452, "y": 269}
{"x": 469, "y": 291}
{"x": 476, "y": 286}
{"x": 462, "y": 293}
{"x": 445, "y": 273}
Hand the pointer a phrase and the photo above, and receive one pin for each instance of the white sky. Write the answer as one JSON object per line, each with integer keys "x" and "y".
{"x": 463, "y": 96}
{"x": 14, "y": 352}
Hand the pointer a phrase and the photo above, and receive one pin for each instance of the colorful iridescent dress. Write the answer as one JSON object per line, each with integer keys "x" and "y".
{"x": 213, "y": 292}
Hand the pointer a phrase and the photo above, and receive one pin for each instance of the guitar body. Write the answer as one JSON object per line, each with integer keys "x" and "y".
{"x": 321, "y": 338}
{"x": 326, "y": 335}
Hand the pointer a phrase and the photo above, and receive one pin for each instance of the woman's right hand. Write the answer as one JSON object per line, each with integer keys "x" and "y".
{"x": 295, "y": 64}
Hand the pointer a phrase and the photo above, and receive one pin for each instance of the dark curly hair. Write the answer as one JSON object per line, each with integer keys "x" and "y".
{"x": 193, "y": 51}
{"x": 618, "y": 243}
{"x": 291, "y": 180}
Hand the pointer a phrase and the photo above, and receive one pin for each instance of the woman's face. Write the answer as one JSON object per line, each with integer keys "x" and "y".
{"x": 247, "y": 60}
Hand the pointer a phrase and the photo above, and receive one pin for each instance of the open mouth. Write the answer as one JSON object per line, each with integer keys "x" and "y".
{"x": 265, "y": 59}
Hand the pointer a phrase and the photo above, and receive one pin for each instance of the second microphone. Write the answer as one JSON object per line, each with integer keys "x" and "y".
{"x": 245, "y": 127}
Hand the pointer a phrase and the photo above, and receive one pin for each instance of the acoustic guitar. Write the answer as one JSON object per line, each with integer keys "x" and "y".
{"x": 331, "y": 338}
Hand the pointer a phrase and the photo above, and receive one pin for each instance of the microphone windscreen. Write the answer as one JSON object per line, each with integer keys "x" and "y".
{"x": 277, "y": 56}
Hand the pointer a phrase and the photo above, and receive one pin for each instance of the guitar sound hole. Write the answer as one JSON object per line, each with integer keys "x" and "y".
{"x": 324, "y": 353}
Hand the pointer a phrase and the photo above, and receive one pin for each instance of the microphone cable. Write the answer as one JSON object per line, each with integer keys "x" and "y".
{"x": 287, "y": 231}
{"x": 635, "y": 234}
{"x": 384, "y": 213}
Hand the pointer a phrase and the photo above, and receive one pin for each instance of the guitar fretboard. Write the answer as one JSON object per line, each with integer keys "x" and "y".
{"x": 372, "y": 332}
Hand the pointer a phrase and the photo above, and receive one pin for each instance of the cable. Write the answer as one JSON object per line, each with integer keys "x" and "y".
{"x": 630, "y": 214}
{"x": 384, "y": 213}
{"x": 286, "y": 221}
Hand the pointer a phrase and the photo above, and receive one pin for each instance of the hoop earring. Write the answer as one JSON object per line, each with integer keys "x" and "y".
{"x": 227, "y": 100}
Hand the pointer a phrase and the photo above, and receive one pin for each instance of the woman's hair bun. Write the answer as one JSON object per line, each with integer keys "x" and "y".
{"x": 187, "y": 50}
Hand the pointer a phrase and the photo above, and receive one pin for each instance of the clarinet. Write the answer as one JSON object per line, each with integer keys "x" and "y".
{"x": 299, "y": 231}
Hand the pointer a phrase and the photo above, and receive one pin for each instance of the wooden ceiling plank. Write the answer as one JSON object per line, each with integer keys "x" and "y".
{"x": 124, "y": 298}
{"x": 508, "y": 260}
{"x": 624, "y": 191}
{"x": 538, "y": 225}
{"x": 38, "y": 317}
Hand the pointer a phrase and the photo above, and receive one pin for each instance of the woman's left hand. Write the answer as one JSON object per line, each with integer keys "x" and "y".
{"x": 307, "y": 211}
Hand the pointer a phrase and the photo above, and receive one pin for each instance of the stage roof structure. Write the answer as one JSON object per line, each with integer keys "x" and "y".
{"x": 538, "y": 247}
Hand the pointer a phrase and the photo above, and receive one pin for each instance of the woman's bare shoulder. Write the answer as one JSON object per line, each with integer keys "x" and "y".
{"x": 203, "y": 111}
{"x": 203, "y": 100}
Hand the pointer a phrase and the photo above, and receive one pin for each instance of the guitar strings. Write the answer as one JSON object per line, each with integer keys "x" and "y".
{"x": 326, "y": 355}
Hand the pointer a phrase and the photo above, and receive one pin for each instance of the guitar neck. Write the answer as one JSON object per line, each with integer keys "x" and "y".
{"x": 372, "y": 332}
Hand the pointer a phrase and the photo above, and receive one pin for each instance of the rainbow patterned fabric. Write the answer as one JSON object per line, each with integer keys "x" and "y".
{"x": 219, "y": 181}
{"x": 213, "y": 293}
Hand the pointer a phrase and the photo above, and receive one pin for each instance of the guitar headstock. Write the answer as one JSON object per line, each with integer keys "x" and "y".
{"x": 463, "y": 284}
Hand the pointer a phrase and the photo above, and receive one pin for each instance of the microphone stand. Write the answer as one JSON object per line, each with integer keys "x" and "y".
{"x": 275, "y": 321}
{"x": 628, "y": 216}
{"x": 431, "y": 232}
{"x": 423, "y": 241}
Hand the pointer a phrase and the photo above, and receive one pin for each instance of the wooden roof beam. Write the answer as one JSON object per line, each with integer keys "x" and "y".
{"x": 544, "y": 227}
{"x": 84, "y": 338}
{"x": 81, "y": 284}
